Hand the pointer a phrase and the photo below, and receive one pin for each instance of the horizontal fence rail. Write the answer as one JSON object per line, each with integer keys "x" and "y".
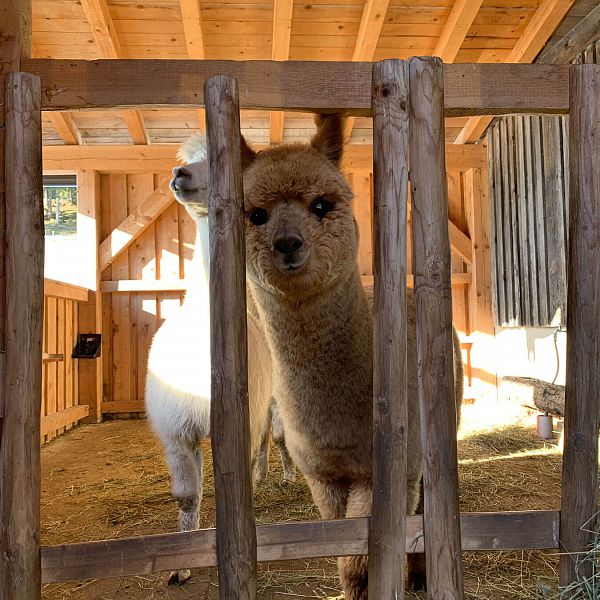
{"x": 469, "y": 89}
{"x": 528, "y": 530}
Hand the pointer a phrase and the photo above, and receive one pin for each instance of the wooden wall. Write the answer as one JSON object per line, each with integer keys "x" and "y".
{"x": 529, "y": 188}
{"x": 60, "y": 379}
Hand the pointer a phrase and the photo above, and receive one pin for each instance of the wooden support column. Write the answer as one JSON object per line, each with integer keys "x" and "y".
{"x": 582, "y": 391}
{"x": 90, "y": 312}
{"x": 20, "y": 567}
{"x": 230, "y": 426}
{"x": 390, "y": 171}
{"x": 431, "y": 264}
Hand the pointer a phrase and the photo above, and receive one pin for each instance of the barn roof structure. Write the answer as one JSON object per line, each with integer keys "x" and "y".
{"x": 485, "y": 31}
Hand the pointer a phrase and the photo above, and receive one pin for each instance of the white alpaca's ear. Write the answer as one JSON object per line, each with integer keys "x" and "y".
{"x": 193, "y": 149}
{"x": 329, "y": 139}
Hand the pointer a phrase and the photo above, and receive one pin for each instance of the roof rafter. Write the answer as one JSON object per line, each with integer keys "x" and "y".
{"x": 369, "y": 30}
{"x": 280, "y": 50}
{"x": 543, "y": 23}
{"x": 191, "y": 15}
{"x": 456, "y": 28}
{"x": 65, "y": 127}
{"x": 98, "y": 17}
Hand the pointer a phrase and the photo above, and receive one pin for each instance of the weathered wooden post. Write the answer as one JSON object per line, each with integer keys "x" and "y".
{"x": 390, "y": 169}
{"x": 20, "y": 568}
{"x": 230, "y": 428}
{"x": 582, "y": 392}
{"x": 433, "y": 295}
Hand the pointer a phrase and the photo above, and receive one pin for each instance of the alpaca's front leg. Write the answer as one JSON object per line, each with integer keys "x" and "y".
{"x": 185, "y": 463}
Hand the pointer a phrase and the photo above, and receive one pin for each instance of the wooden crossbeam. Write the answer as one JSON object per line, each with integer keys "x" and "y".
{"x": 371, "y": 22}
{"x": 65, "y": 127}
{"x": 456, "y": 28}
{"x": 135, "y": 224}
{"x": 161, "y": 158}
{"x": 282, "y": 31}
{"x": 286, "y": 541}
{"x": 460, "y": 243}
{"x": 103, "y": 29}
{"x": 543, "y": 23}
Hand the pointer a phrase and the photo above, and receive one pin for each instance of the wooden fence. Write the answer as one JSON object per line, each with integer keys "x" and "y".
{"x": 399, "y": 92}
{"x": 60, "y": 375}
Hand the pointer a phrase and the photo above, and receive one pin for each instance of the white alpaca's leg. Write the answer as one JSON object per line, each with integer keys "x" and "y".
{"x": 261, "y": 458}
{"x": 289, "y": 469}
{"x": 185, "y": 464}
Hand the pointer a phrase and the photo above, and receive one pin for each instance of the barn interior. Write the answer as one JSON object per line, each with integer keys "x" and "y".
{"x": 118, "y": 253}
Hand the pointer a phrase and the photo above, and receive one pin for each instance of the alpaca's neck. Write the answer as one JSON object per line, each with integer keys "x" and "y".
{"x": 199, "y": 271}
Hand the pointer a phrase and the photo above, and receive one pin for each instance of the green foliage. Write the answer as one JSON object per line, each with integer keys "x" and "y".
{"x": 66, "y": 197}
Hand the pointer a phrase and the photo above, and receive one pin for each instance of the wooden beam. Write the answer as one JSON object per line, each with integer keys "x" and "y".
{"x": 575, "y": 42}
{"x": 135, "y": 224}
{"x": 469, "y": 89}
{"x": 488, "y": 532}
{"x": 135, "y": 123}
{"x": 456, "y": 28}
{"x": 98, "y": 17}
{"x": 543, "y": 23}
{"x": 62, "y": 418}
{"x": 460, "y": 243}
{"x": 90, "y": 312}
{"x": 371, "y": 22}
{"x": 20, "y": 575}
{"x": 65, "y": 127}
{"x": 191, "y": 15}
{"x": 161, "y": 158}
{"x": 280, "y": 50}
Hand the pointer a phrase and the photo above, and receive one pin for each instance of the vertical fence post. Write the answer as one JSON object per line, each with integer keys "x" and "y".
{"x": 20, "y": 569}
{"x": 390, "y": 168}
{"x": 431, "y": 264}
{"x": 582, "y": 392}
{"x": 230, "y": 429}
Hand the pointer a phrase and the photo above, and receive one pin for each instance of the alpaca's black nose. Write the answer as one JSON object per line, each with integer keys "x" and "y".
{"x": 288, "y": 242}
{"x": 181, "y": 172}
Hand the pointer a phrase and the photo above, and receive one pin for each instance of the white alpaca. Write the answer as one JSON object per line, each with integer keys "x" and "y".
{"x": 178, "y": 382}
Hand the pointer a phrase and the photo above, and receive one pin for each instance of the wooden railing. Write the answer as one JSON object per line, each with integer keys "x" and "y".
{"x": 60, "y": 381}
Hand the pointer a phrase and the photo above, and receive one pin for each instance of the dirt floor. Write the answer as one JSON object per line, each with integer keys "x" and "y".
{"x": 110, "y": 480}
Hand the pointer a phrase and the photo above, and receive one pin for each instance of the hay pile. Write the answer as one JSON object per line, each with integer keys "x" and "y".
{"x": 110, "y": 481}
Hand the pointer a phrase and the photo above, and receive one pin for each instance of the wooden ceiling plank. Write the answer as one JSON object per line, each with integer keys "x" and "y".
{"x": 543, "y": 23}
{"x": 280, "y": 50}
{"x": 367, "y": 39}
{"x": 98, "y": 17}
{"x": 65, "y": 127}
{"x": 456, "y": 28}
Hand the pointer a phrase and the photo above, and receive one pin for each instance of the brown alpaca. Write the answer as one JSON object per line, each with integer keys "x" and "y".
{"x": 301, "y": 261}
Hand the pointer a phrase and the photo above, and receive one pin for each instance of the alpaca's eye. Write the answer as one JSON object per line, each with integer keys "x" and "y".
{"x": 320, "y": 206}
{"x": 259, "y": 216}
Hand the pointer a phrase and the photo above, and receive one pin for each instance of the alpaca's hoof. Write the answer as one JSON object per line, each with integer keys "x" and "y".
{"x": 289, "y": 477}
{"x": 260, "y": 471}
{"x": 179, "y": 577}
{"x": 416, "y": 582}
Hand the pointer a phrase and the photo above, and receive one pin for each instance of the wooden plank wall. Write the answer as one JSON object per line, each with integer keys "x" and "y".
{"x": 130, "y": 319}
{"x": 163, "y": 252}
{"x": 60, "y": 386}
{"x": 529, "y": 190}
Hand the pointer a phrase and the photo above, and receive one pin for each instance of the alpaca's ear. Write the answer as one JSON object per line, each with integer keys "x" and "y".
{"x": 248, "y": 155}
{"x": 329, "y": 139}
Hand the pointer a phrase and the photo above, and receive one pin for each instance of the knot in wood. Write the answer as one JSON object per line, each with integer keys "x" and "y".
{"x": 434, "y": 272}
{"x": 222, "y": 215}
